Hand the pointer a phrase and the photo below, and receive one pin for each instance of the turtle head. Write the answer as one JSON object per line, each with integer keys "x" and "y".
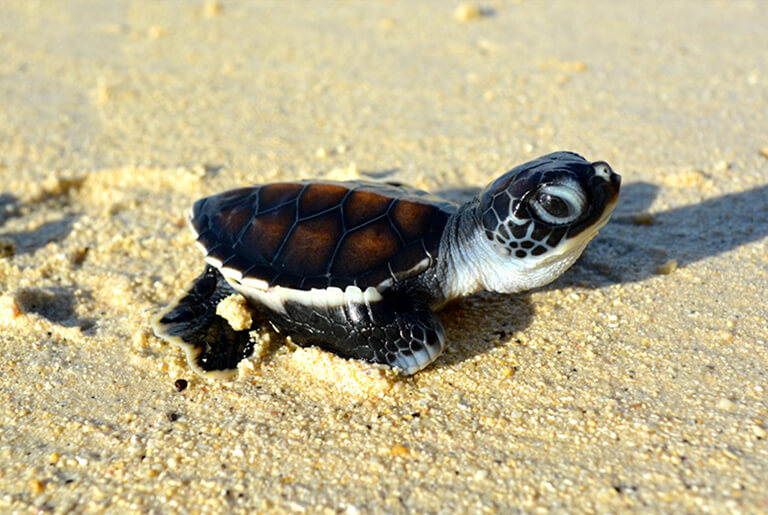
{"x": 538, "y": 217}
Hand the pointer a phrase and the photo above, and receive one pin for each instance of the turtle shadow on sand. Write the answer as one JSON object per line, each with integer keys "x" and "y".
{"x": 511, "y": 314}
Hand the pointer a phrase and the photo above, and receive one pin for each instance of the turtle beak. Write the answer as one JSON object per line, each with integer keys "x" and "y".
{"x": 612, "y": 180}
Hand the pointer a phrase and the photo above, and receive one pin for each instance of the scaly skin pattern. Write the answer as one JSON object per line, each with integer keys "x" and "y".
{"x": 358, "y": 268}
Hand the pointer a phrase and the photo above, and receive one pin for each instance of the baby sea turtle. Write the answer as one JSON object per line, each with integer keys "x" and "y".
{"x": 358, "y": 267}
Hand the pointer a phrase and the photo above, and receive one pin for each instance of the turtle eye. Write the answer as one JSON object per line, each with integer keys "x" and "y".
{"x": 558, "y": 204}
{"x": 553, "y": 205}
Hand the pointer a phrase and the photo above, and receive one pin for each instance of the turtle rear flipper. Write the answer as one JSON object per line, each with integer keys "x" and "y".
{"x": 213, "y": 348}
{"x": 398, "y": 331}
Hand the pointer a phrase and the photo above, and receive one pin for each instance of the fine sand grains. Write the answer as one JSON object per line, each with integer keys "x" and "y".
{"x": 636, "y": 382}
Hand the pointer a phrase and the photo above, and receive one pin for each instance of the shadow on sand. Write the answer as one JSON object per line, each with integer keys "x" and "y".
{"x": 55, "y": 304}
{"x": 32, "y": 240}
{"x": 628, "y": 252}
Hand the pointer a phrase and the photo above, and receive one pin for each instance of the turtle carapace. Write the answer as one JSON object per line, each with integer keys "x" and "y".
{"x": 358, "y": 268}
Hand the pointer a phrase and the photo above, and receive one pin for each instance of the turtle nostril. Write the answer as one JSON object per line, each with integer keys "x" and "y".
{"x": 603, "y": 170}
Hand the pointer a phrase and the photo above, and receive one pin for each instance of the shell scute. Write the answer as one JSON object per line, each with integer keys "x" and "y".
{"x": 261, "y": 241}
{"x": 311, "y": 244}
{"x": 317, "y": 198}
{"x": 277, "y": 194}
{"x": 413, "y": 219}
{"x": 233, "y": 219}
{"x": 363, "y": 206}
{"x": 366, "y": 248}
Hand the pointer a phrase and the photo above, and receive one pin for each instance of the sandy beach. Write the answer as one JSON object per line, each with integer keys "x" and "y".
{"x": 637, "y": 382}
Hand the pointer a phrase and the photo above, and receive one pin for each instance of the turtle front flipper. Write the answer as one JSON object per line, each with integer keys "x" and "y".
{"x": 213, "y": 348}
{"x": 397, "y": 331}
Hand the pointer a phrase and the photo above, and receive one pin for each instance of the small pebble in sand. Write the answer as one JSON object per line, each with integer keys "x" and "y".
{"x": 643, "y": 219}
{"x": 667, "y": 268}
{"x": 36, "y": 486}
{"x": 102, "y": 93}
{"x": 211, "y": 9}
{"x": 77, "y": 256}
{"x": 400, "y": 450}
{"x": 764, "y": 151}
{"x": 7, "y": 248}
{"x": 467, "y": 12}
{"x": 579, "y": 66}
{"x": 722, "y": 336}
{"x": 725, "y": 404}
{"x": 9, "y": 307}
{"x": 235, "y": 310}
{"x": 180, "y": 385}
{"x": 156, "y": 32}
{"x": 722, "y": 166}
